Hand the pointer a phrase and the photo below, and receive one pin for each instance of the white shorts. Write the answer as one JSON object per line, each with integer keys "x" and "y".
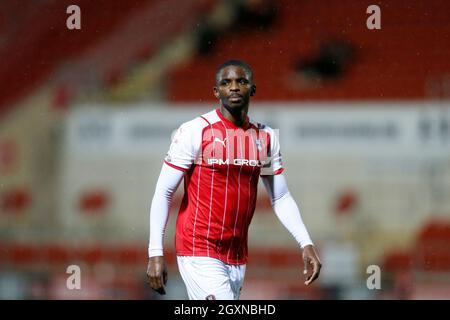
{"x": 211, "y": 279}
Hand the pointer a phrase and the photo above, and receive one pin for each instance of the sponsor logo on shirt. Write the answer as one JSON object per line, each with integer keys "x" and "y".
{"x": 258, "y": 143}
{"x": 236, "y": 162}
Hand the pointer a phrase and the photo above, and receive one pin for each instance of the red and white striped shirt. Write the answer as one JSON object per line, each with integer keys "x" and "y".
{"x": 222, "y": 165}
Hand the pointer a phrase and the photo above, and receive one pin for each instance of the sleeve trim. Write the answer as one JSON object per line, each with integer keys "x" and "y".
{"x": 174, "y": 166}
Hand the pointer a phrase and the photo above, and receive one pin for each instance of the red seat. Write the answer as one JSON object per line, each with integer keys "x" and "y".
{"x": 91, "y": 254}
{"x": 16, "y": 200}
{"x": 24, "y": 254}
{"x": 56, "y": 254}
{"x": 433, "y": 246}
{"x": 93, "y": 201}
{"x": 131, "y": 255}
{"x": 397, "y": 261}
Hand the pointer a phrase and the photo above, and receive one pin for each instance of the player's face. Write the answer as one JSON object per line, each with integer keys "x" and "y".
{"x": 234, "y": 87}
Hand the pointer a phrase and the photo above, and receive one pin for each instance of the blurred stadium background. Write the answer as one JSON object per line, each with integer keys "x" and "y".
{"x": 364, "y": 117}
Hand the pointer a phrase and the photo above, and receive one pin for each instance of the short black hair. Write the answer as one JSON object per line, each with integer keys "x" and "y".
{"x": 237, "y": 63}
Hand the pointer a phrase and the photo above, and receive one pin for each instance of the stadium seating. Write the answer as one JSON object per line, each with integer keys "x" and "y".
{"x": 430, "y": 252}
{"x": 376, "y": 72}
{"x": 40, "y": 43}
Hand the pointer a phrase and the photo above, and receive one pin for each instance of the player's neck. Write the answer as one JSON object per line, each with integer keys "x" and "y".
{"x": 237, "y": 117}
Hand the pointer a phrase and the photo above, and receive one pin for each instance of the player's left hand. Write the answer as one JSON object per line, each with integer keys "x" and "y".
{"x": 311, "y": 263}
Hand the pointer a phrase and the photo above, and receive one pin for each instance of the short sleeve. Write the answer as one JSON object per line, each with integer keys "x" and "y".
{"x": 274, "y": 162}
{"x": 183, "y": 148}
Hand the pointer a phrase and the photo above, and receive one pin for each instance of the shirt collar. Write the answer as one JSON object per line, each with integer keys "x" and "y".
{"x": 245, "y": 125}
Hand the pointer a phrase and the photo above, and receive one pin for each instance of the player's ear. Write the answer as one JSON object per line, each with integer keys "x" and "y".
{"x": 216, "y": 93}
{"x": 252, "y": 90}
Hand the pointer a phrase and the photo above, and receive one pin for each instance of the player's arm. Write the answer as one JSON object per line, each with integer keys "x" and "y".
{"x": 181, "y": 155}
{"x": 288, "y": 213}
{"x": 168, "y": 182}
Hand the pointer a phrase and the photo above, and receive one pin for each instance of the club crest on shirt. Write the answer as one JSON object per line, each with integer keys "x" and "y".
{"x": 258, "y": 143}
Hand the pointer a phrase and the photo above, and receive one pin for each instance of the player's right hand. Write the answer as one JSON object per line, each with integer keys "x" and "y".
{"x": 157, "y": 274}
